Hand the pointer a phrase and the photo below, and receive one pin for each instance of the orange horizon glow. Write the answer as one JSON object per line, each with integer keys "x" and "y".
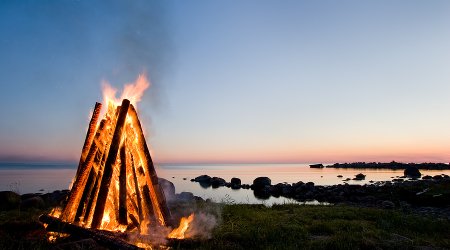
{"x": 268, "y": 154}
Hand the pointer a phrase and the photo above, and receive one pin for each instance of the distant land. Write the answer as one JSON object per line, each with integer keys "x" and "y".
{"x": 391, "y": 165}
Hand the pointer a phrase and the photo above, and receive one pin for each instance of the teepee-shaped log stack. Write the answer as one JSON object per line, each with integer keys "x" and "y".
{"x": 116, "y": 186}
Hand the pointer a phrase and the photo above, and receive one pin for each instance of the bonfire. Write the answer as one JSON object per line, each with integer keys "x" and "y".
{"x": 116, "y": 192}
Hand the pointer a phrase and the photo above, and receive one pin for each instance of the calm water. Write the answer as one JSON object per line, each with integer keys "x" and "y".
{"x": 30, "y": 178}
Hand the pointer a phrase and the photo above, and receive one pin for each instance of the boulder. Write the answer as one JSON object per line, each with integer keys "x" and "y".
{"x": 261, "y": 182}
{"x": 9, "y": 200}
{"x": 235, "y": 181}
{"x": 262, "y": 193}
{"x": 33, "y": 202}
{"x": 168, "y": 188}
{"x": 309, "y": 186}
{"x": 185, "y": 196}
{"x": 438, "y": 177}
{"x": 218, "y": 182}
{"x": 203, "y": 178}
{"x": 412, "y": 172}
{"x": 359, "y": 177}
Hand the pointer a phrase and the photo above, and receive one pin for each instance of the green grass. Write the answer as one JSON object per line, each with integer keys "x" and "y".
{"x": 322, "y": 227}
{"x": 287, "y": 226}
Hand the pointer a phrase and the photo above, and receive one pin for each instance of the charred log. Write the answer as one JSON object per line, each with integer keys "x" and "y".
{"x": 104, "y": 238}
{"x": 123, "y": 187}
{"x": 89, "y": 135}
{"x": 158, "y": 198}
{"x": 110, "y": 161}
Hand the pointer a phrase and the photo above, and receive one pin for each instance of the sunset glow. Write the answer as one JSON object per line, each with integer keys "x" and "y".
{"x": 300, "y": 82}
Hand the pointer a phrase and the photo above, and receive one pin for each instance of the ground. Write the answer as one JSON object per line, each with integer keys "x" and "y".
{"x": 289, "y": 226}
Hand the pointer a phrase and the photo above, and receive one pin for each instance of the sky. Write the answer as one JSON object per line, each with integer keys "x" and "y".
{"x": 232, "y": 81}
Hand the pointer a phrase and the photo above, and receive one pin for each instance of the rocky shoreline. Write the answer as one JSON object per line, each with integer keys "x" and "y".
{"x": 429, "y": 195}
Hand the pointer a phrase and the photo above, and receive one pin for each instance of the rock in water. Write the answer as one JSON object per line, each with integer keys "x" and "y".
{"x": 412, "y": 172}
{"x": 217, "y": 182}
{"x": 261, "y": 182}
{"x": 359, "y": 177}
{"x": 203, "y": 178}
{"x": 235, "y": 183}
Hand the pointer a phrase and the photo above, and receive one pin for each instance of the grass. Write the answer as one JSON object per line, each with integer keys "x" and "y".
{"x": 21, "y": 230}
{"x": 288, "y": 226}
{"x": 322, "y": 227}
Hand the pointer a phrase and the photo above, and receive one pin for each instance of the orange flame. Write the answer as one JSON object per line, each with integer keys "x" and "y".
{"x": 178, "y": 233}
{"x": 132, "y": 91}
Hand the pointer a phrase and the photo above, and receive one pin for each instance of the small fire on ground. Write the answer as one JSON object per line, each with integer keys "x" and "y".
{"x": 116, "y": 187}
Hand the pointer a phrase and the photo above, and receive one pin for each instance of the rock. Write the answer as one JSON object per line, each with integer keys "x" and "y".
{"x": 388, "y": 204}
{"x": 185, "y": 196}
{"x": 340, "y": 176}
{"x": 168, "y": 188}
{"x": 54, "y": 198}
{"x": 438, "y": 177}
{"x": 9, "y": 200}
{"x": 235, "y": 183}
{"x": 262, "y": 193}
{"x": 412, "y": 172}
{"x": 359, "y": 177}
{"x": 309, "y": 186}
{"x": 33, "y": 202}
{"x": 203, "y": 178}
{"x": 261, "y": 182}
{"x": 218, "y": 182}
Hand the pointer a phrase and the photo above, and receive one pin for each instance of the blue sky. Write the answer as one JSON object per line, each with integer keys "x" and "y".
{"x": 232, "y": 81}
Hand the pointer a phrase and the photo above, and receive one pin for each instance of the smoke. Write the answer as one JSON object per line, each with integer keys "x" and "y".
{"x": 202, "y": 226}
{"x": 142, "y": 43}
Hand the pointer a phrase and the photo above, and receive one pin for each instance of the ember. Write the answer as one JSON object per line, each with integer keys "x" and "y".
{"x": 116, "y": 186}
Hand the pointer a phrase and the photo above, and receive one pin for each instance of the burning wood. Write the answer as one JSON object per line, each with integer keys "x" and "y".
{"x": 116, "y": 187}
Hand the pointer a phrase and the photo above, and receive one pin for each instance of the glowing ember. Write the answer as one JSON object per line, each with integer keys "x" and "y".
{"x": 178, "y": 233}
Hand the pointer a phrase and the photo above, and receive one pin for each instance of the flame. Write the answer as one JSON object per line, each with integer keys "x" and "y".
{"x": 132, "y": 91}
{"x": 56, "y": 212}
{"x": 178, "y": 233}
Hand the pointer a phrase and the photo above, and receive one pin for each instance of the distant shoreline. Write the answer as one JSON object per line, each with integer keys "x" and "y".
{"x": 391, "y": 165}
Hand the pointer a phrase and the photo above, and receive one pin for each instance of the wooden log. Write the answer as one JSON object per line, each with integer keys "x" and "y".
{"x": 123, "y": 186}
{"x": 110, "y": 161}
{"x": 136, "y": 187}
{"x": 79, "y": 185}
{"x": 71, "y": 207}
{"x": 89, "y": 135}
{"x": 148, "y": 203}
{"x": 159, "y": 201}
{"x": 94, "y": 194}
{"x": 88, "y": 188}
{"x": 104, "y": 238}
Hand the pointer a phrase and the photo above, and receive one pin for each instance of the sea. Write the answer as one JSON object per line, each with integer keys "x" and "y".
{"x": 25, "y": 178}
